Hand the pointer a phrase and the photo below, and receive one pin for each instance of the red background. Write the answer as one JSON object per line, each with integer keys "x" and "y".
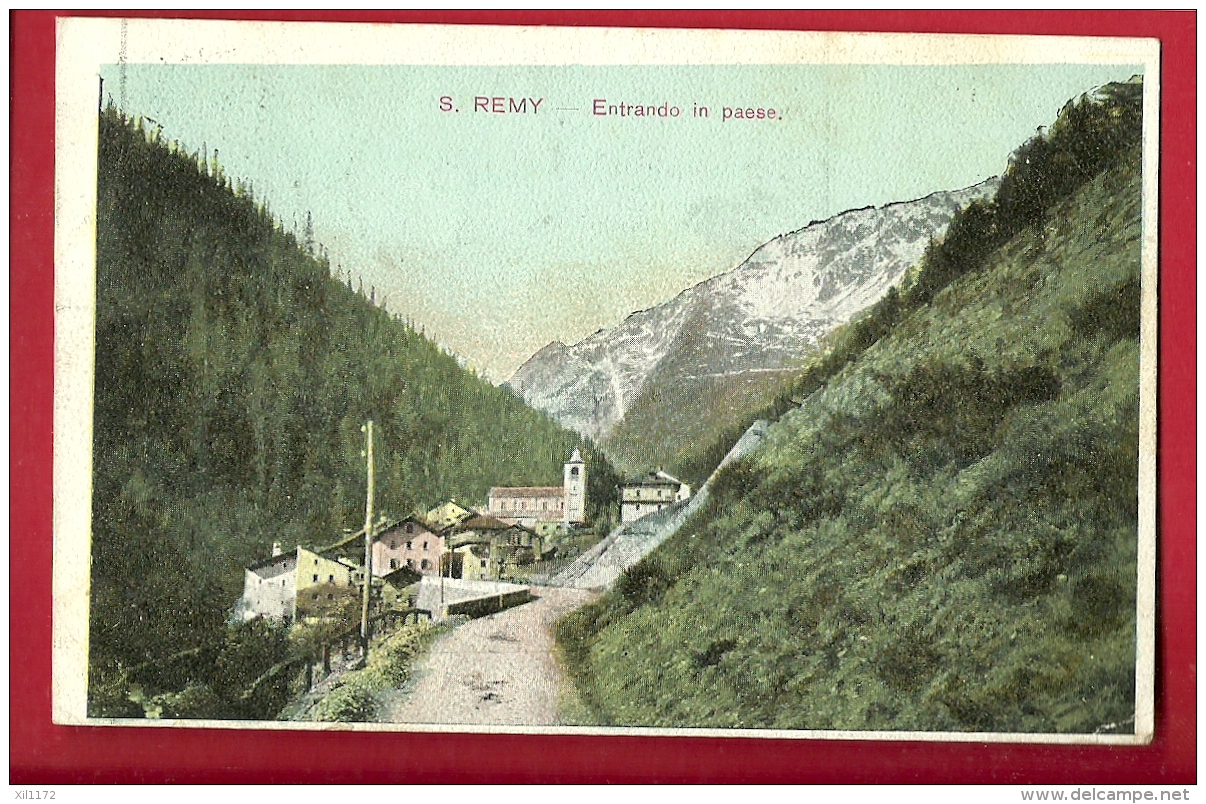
{"x": 44, "y": 753}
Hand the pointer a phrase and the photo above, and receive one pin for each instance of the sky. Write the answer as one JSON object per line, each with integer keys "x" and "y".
{"x": 500, "y": 232}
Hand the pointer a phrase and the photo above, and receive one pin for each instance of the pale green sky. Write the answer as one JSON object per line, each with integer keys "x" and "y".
{"x": 500, "y": 233}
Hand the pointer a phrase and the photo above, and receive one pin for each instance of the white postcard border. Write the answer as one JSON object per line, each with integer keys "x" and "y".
{"x": 84, "y": 44}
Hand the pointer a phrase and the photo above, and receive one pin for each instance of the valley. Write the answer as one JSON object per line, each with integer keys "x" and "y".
{"x": 918, "y": 424}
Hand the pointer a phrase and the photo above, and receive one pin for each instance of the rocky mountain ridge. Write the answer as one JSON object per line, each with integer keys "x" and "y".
{"x": 759, "y": 317}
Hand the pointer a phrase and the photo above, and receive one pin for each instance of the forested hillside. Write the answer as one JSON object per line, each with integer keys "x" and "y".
{"x": 233, "y": 374}
{"x": 940, "y": 533}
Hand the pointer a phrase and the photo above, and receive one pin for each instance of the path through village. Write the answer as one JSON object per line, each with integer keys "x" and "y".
{"x": 496, "y": 670}
{"x": 500, "y": 670}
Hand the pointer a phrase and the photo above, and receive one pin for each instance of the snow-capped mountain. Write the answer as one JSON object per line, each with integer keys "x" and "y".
{"x": 759, "y": 317}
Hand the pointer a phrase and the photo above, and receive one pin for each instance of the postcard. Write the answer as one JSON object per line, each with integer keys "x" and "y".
{"x": 605, "y": 381}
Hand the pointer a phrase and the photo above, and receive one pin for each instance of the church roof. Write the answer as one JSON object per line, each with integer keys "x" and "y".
{"x": 528, "y": 491}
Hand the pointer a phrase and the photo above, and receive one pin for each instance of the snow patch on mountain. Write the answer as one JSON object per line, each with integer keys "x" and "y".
{"x": 760, "y": 316}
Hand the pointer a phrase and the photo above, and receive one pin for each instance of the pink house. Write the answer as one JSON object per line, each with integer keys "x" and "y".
{"x": 410, "y": 543}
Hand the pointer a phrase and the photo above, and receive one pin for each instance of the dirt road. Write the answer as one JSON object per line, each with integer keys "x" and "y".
{"x": 498, "y": 670}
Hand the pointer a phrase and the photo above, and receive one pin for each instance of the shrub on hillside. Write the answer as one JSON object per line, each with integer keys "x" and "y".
{"x": 350, "y": 703}
{"x": 1112, "y": 313}
{"x": 644, "y": 582}
{"x": 943, "y": 413}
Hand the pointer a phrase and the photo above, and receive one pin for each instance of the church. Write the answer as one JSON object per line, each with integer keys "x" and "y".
{"x": 541, "y": 508}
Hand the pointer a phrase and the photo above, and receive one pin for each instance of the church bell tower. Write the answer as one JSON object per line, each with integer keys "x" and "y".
{"x": 575, "y": 490}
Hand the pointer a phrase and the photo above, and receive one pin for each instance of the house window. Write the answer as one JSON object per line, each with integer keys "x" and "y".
{"x": 393, "y": 563}
{"x": 503, "y": 505}
{"x": 410, "y": 564}
{"x": 410, "y": 527}
{"x": 424, "y": 545}
{"x": 483, "y": 563}
{"x": 574, "y": 472}
{"x": 409, "y": 545}
{"x": 331, "y": 578}
{"x": 426, "y": 564}
{"x": 315, "y": 579}
{"x": 393, "y": 545}
{"x": 522, "y": 505}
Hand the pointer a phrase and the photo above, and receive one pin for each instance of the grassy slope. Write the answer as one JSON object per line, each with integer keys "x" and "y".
{"x": 670, "y": 422}
{"x": 942, "y": 538}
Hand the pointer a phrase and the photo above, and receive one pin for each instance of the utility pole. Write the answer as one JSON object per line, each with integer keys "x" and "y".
{"x": 368, "y": 545}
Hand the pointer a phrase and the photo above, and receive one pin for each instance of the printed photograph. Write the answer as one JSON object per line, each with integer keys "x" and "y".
{"x": 793, "y": 397}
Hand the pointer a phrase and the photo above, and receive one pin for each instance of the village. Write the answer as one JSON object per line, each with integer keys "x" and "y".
{"x": 449, "y": 560}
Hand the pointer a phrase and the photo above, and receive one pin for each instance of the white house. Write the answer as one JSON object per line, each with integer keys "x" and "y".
{"x": 288, "y": 585}
{"x": 649, "y": 494}
{"x": 270, "y": 586}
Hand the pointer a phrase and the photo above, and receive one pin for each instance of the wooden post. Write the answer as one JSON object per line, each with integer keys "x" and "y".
{"x": 368, "y": 545}
{"x": 309, "y": 675}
